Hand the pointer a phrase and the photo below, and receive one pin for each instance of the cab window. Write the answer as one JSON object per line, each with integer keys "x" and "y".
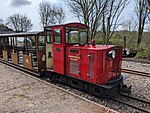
{"x": 83, "y": 37}
{"x": 76, "y": 36}
{"x": 57, "y": 36}
{"x": 73, "y": 37}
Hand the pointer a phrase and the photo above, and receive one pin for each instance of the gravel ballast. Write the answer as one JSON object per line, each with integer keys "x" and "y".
{"x": 140, "y": 84}
{"x": 143, "y": 67}
{"x": 44, "y": 104}
{"x": 20, "y": 93}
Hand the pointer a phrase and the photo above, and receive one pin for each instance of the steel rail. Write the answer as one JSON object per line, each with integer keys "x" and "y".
{"x": 131, "y": 105}
{"x": 135, "y": 72}
{"x": 135, "y": 98}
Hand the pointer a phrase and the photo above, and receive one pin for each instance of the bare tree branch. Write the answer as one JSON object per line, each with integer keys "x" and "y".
{"x": 142, "y": 14}
{"x": 89, "y": 12}
{"x": 59, "y": 14}
{"x": 111, "y": 17}
{"x": 46, "y": 13}
{"x": 1, "y": 20}
{"x": 50, "y": 14}
{"x": 148, "y": 3}
{"x": 19, "y": 23}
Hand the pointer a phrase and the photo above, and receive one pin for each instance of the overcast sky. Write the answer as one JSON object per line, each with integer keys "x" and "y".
{"x": 30, "y": 8}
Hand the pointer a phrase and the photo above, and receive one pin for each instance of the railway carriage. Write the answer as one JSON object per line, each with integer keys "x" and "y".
{"x": 24, "y": 50}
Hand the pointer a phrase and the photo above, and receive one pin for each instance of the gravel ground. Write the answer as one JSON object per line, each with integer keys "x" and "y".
{"x": 140, "y": 84}
{"x": 143, "y": 67}
{"x": 21, "y": 94}
{"x": 106, "y": 102}
{"x": 140, "y": 88}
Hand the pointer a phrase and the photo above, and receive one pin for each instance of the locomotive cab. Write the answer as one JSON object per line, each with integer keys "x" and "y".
{"x": 58, "y": 38}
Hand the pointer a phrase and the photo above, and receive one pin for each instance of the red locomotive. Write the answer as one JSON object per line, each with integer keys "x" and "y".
{"x": 67, "y": 57}
{"x": 93, "y": 68}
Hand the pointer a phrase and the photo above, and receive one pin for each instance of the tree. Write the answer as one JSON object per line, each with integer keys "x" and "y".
{"x": 111, "y": 17}
{"x": 19, "y": 23}
{"x": 59, "y": 14}
{"x": 1, "y": 21}
{"x": 89, "y": 12}
{"x": 148, "y": 2}
{"x": 4, "y": 28}
{"x": 50, "y": 14}
{"x": 129, "y": 29}
{"x": 46, "y": 13}
{"x": 142, "y": 15}
{"x": 129, "y": 25}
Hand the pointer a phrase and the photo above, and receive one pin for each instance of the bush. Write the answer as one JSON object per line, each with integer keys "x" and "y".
{"x": 144, "y": 53}
{"x": 99, "y": 41}
{"x": 116, "y": 41}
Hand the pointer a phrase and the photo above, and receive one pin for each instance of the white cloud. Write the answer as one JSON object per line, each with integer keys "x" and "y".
{"x": 18, "y": 3}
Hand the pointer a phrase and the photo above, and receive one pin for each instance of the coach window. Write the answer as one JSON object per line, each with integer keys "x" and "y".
{"x": 20, "y": 42}
{"x": 57, "y": 36}
{"x": 30, "y": 41}
{"x": 41, "y": 42}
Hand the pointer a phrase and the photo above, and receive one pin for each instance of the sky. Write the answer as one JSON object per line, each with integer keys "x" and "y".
{"x": 30, "y": 8}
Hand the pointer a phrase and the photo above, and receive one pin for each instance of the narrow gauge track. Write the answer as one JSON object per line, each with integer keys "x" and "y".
{"x": 136, "y": 72}
{"x": 132, "y": 105}
{"x": 34, "y": 75}
{"x": 138, "y": 99}
{"x": 136, "y": 60}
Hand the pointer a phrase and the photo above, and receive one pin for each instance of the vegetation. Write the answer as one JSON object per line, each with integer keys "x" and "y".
{"x": 3, "y": 27}
{"x": 102, "y": 16}
{"x": 98, "y": 14}
{"x": 49, "y": 14}
{"x": 131, "y": 42}
{"x": 144, "y": 54}
{"x": 19, "y": 23}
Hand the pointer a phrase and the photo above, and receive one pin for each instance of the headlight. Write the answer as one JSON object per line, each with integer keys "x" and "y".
{"x": 127, "y": 51}
{"x": 112, "y": 54}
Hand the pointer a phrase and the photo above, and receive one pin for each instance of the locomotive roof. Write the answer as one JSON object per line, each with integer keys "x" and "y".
{"x": 73, "y": 24}
{"x": 21, "y": 34}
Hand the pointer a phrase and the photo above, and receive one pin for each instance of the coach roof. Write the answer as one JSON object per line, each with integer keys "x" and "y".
{"x": 21, "y": 34}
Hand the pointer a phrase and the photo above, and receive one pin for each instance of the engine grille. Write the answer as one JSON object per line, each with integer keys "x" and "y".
{"x": 74, "y": 67}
